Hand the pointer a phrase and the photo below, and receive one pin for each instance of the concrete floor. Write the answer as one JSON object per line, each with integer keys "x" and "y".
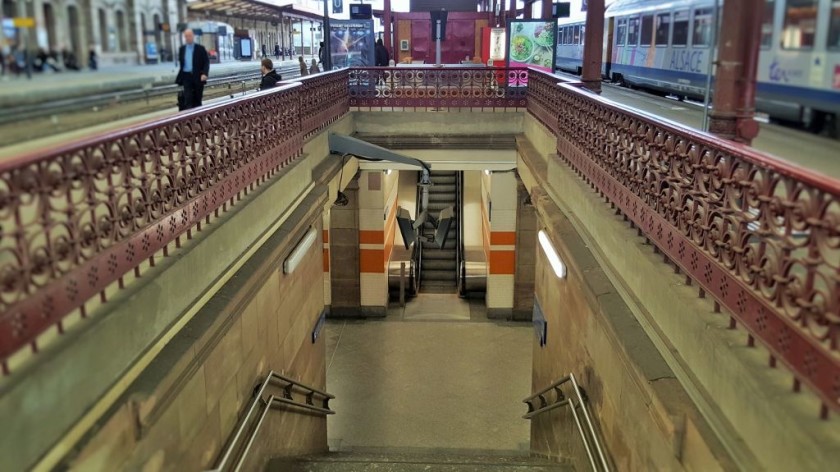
{"x": 427, "y": 377}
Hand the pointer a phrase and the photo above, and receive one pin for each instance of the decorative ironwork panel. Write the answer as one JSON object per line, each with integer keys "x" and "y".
{"x": 760, "y": 235}
{"x": 432, "y": 87}
{"x": 324, "y": 100}
{"x": 79, "y": 217}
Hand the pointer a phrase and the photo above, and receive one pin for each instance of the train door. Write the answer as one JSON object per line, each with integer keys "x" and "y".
{"x": 606, "y": 58}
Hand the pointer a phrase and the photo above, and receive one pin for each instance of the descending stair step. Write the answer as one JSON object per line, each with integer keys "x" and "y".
{"x": 443, "y": 188}
{"x": 433, "y": 274}
{"x": 438, "y": 206}
{"x": 442, "y": 197}
{"x": 440, "y": 264}
{"x": 401, "y": 462}
{"x": 433, "y": 254}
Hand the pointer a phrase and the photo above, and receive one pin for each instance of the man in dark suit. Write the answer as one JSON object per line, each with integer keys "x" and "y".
{"x": 195, "y": 67}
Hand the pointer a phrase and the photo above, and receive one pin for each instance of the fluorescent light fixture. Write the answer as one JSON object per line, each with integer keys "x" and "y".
{"x": 553, "y": 257}
{"x": 291, "y": 262}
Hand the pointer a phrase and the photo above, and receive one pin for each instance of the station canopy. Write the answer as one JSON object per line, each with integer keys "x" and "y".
{"x": 261, "y": 10}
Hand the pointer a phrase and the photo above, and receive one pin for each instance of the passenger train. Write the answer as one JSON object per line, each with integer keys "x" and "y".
{"x": 665, "y": 46}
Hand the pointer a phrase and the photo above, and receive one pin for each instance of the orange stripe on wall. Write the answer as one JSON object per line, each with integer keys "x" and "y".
{"x": 326, "y": 236}
{"x": 502, "y": 262}
{"x": 326, "y": 260}
{"x": 372, "y": 261}
{"x": 503, "y": 238}
{"x": 371, "y": 237}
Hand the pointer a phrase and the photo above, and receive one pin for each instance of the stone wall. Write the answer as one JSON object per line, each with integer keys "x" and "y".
{"x": 739, "y": 395}
{"x": 646, "y": 419}
{"x": 182, "y": 410}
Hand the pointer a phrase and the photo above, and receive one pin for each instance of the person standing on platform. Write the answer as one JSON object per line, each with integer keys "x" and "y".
{"x": 264, "y": 51}
{"x": 276, "y": 52}
{"x": 322, "y": 54}
{"x": 380, "y": 54}
{"x": 303, "y": 69}
{"x": 269, "y": 76}
{"x": 195, "y": 67}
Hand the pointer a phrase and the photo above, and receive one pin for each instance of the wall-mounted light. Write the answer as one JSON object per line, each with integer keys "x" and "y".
{"x": 553, "y": 257}
{"x": 291, "y": 262}
{"x": 486, "y": 171}
{"x": 387, "y": 171}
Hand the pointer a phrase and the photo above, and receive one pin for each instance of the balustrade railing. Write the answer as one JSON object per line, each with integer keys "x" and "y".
{"x": 759, "y": 235}
{"x": 438, "y": 87}
{"x": 78, "y": 218}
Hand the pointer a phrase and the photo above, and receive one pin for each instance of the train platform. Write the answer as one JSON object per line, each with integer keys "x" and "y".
{"x": 47, "y": 86}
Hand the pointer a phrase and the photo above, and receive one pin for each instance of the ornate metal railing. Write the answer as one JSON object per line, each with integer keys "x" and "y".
{"x": 323, "y": 100}
{"x": 759, "y": 235}
{"x": 438, "y": 87}
{"x": 77, "y": 219}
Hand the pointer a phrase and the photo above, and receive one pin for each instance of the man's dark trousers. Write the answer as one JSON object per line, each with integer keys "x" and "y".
{"x": 193, "y": 90}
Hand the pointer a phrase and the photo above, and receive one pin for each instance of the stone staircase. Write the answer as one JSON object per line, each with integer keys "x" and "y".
{"x": 397, "y": 461}
{"x": 440, "y": 266}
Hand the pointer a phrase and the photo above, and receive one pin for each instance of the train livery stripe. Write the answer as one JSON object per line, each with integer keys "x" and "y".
{"x": 699, "y": 80}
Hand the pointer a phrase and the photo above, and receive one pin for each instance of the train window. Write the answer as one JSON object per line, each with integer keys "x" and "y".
{"x": 800, "y": 24}
{"x": 633, "y": 31}
{"x": 702, "y": 27}
{"x": 767, "y": 23}
{"x": 647, "y": 30}
{"x": 561, "y": 36}
{"x": 663, "y": 29}
{"x": 621, "y": 31}
{"x": 576, "y": 39}
{"x": 680, "y": 29}
{"x": 834, "y": 26}
{"x": 582, "y": 34}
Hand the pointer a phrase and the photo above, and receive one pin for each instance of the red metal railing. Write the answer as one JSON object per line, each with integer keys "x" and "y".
{"x": 759, "y": 235}
{"x": 80, "y": 217}
{"x": 443, "y": 87}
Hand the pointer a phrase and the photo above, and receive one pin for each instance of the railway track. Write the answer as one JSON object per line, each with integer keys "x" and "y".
{"x": 30, "y": 122}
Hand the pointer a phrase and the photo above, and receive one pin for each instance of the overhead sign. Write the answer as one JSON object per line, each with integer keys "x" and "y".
{"x": 338, "y": 6}
{"x": 24, "y": 22}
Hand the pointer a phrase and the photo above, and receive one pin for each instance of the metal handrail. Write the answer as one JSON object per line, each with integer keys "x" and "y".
{"x": 460, "y": 267}
{"x": 562, "y": 400}
{"x": 272, "y": 400}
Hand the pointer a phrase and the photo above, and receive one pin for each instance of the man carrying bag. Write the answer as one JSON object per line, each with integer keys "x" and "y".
{"x": 192, "y": 75}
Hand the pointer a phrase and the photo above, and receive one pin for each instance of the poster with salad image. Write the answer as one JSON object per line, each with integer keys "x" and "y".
{"x": 531, "y": 44}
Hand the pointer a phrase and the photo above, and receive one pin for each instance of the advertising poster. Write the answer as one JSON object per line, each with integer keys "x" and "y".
{"x": 531, "y": 43}
{"x": 497, "y": 44}
{"x": 351, "y": 43}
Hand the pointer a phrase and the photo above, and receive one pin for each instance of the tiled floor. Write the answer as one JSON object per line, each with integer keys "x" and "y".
{"x": 437, "y": 374}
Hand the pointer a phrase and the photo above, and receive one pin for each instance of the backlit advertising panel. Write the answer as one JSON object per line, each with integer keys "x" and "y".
{"x": 531, "y": 43}
{"x": 351, "y": 43}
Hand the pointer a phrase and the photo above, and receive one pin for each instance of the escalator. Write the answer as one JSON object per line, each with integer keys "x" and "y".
{"x": 439, "y": 265}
